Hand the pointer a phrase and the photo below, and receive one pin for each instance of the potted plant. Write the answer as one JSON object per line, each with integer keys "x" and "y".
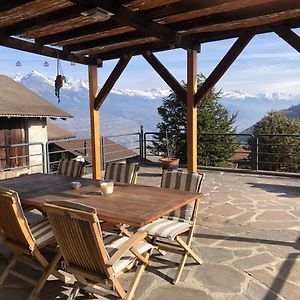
{"x": 168, "y": 161}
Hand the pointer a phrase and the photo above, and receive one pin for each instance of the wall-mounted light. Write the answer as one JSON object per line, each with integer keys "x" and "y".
{"x": 18, "y": 64}
{"x": 97, "y": 14}
{"x": 46, "y": 64}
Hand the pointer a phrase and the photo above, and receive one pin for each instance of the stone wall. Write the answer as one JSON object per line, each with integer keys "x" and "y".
{"x": 37, "y": 133}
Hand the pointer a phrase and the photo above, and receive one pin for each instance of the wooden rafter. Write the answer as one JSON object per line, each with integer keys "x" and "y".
{"x": 7, "y": 5}
{"x": 224, "y": 64}
{"x": 75, "y": 33}
{"x": 42, "y": 20}
{"x": 105, "y": 41}
{"x": 166, "y": 76}
{"x": 289, "y": 36}
{"x": 138, "y": 21}
{"x": 111, "y": 80}
{"x": 46, "y": 51}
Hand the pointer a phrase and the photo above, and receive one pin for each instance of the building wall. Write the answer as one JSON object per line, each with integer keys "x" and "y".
{"x": 36, "y": 133}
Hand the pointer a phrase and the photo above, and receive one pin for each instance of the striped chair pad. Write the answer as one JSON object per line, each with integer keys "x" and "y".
{"x": 114, "y": 242}
{"x": 166, "y": 228}
{"x": 121, "y": 172}
{"x": 42, "y": 232}
{"x": 182, "y": 181}
{"x": 72, "y": 168}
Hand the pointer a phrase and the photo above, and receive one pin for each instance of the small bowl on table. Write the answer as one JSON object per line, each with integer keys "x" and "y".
{"x": 76, "y": 185}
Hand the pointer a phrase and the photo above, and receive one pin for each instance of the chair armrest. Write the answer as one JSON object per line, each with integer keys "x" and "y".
{"x": 131, "y": 242}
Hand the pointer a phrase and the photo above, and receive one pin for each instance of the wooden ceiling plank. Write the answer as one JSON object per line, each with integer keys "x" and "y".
{"x": 234, "y": 21}
{"x": 131, "y": 36}
{"x": 289, "y": 36}
{"x": 46, "y": 51}
{"x": 138, "y": 21}
{"x": 166, "y": 76}
{"x": 186, "y": 10}
{"x": 224, "y": 65}
{"x": 111, "y": 80}
{"x": 43, "y": 20}
{"x": 78, "y": 32}
{"x": 7, "y": 5}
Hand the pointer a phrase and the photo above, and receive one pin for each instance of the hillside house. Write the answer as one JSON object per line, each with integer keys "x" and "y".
{"x": 23, "y": 128}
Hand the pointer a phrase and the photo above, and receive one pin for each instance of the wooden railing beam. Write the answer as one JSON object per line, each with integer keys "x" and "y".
{"x": 111, "y": 80}
{"x": 289, "y": 36}
{"x": 166, "y": 76}
{"x": 224, "y": 65}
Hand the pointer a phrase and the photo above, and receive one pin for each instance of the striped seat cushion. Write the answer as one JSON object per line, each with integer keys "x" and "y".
{"x": 42, "y": 232}
{"x": 166, "y": 228}
{"x": 72, "y": 168}
{"x": 182, "y": 181}
{"x": 114, "y": 242}
{"x": 121, "y": 172}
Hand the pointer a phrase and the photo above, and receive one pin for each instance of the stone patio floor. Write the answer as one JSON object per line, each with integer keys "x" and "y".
{"x": 248, "y": 235}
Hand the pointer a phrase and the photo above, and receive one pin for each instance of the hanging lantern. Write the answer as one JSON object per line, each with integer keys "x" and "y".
{"x": 46, "y": 64}
{"x": 18, "y": 64}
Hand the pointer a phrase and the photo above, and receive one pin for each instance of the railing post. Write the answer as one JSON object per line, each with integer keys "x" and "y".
{"x": 141, "y": 142}
{"x": 102, "y": 152}
{"x": 256, "y": 154}
{"x": 145, "y": 145}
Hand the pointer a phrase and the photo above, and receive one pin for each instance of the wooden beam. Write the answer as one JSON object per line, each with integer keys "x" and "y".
{"x": 46, "y": 51}
{"x": 8, "y": 5}
{"x": 43, "y": 20}
{"x": 166, "y": 76}
{"x": 136, "y": 20}
{"x": 290, "y": 9}
{"x": 191, "y": 111}
{"x": 95, "y": 124}
{"x": 107, "y": 41}
{"x": 111, "y": 80}
{"x": 289, "y": 36}
{"x": 78, "y": 32}
{"x": 224, "y": 64}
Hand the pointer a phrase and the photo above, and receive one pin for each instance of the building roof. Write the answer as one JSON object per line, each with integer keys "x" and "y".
{"x": 57, "y": 133}
{"x": 17, "y": 101}
{"x": 82, "y": 147}
{"x": 92, "y": 30}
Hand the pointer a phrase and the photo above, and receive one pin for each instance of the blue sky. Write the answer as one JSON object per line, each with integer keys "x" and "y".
{"x": 268, "y": 64}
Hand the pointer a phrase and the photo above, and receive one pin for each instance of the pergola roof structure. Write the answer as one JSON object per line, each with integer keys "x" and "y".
{"x": 92, "y": 31}
{"x": 134, "y": 26}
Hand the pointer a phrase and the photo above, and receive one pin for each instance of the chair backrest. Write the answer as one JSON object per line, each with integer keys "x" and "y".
{"x": 72, "y": 168}
{"x": 77, "y": 231}
{"x": 13, "y": 223}
{"x": 182, "y": 181}
{"x": 121, "y": 172}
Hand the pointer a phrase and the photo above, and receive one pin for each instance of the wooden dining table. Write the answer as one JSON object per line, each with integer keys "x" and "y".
{"x": 132, "y": 204}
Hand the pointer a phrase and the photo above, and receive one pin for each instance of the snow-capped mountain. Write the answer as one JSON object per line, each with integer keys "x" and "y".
{"x": 126, "y": 109}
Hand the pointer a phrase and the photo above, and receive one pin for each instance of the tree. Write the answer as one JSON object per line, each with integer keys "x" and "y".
{"x": 277, "y": 149}
{"x": 213, "y": 119}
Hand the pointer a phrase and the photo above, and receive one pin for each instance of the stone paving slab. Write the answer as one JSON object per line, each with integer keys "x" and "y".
{"x": 248, "y": 234}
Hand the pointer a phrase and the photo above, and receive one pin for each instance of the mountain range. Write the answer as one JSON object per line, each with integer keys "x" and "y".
{"x": 126, "y": 109}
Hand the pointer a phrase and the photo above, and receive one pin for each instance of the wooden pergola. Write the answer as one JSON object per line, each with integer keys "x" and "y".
{"x": 92, "y": 31}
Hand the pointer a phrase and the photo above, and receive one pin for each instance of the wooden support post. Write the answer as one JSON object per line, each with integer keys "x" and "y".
{"x": 191, "y": 111}
{"x": 289, "y": 36}
{"x": 95, "y": 123}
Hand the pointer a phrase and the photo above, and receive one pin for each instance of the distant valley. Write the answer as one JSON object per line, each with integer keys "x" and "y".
{"x": 125, "y": 110}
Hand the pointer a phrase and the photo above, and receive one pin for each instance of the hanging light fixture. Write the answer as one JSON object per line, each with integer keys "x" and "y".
{"x": 46, "y": 64}
{"x": 18, "y": 64}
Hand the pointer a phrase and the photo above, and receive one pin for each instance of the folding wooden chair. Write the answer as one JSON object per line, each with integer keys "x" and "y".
{"x": 93, "y": 260}
{"x": 72, "y": 168}
{"x": 167, "y": 232}
{"x": 25, "y": 242}
{"x": 121, "y": 172}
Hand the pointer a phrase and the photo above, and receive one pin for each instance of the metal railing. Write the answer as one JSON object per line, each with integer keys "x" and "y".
{"x": 262, "y": 152}
{"x": 279, "y": 153}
